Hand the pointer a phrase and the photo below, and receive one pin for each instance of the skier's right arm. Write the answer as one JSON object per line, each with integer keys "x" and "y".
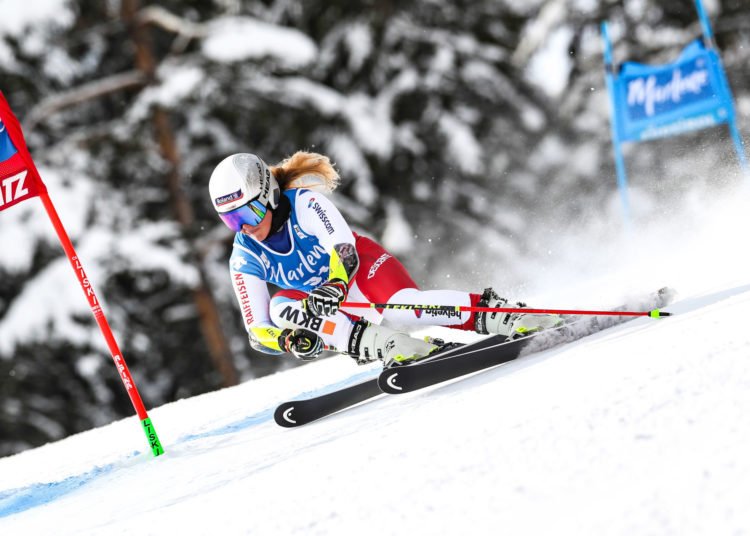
{"x": 252, "y": 295}
{"x": 264, "y": 336}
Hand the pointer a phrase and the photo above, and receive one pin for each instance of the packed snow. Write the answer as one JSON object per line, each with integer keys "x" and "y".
{"x": 640, "y": 429}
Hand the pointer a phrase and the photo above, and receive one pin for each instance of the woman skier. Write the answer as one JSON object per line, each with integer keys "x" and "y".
{"x": 290, "y": 235}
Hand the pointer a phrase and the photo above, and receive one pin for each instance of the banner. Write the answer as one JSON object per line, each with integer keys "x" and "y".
{"x": 649, "y": 102}
{"x": 19, "y": 179}
{"x": 666, "y": 100}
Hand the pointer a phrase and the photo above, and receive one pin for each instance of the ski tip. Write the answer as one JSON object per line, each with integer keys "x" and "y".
{"x": 656, "y": 313}
{"x": 284, "y": 415}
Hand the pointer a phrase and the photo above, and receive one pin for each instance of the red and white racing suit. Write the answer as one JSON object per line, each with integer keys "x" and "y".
{"x": 316, "y": 226}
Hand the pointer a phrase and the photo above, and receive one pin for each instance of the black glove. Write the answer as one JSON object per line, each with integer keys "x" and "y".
{"x": 302, "y": 344}
{"x": 326, "y": 299}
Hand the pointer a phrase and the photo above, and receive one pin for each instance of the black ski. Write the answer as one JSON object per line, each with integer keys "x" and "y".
{"x": 473, "y": 358}
{"x": 453, "y": 362}
{"x": 404, "y": 379}
{"x": 299, "y": 412}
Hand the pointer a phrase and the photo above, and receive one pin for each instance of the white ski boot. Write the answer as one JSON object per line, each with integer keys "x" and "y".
{"x": 370, "y": 342}
{"x": 511, "y": 325}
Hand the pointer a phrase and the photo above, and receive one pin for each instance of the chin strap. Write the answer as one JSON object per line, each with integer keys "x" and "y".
{"x": 280, "y": 214}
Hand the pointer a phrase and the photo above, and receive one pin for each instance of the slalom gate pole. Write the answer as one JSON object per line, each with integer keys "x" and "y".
{"x": 610, "y": 74}
{"x": 654, "y": 313}
{"x": 101, "y": 320}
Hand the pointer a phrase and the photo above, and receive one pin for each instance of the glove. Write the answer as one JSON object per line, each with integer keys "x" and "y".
{"x": 326, "y": 299}
{"x": 302, "y": 344}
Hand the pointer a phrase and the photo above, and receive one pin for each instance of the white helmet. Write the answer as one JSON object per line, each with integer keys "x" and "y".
{"x": 242, "y": 188}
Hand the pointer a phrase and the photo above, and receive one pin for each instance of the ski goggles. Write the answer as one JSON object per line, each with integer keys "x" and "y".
{"x": 251, "y": 214}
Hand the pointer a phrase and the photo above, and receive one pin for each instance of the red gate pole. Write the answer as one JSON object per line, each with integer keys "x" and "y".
{"x": 101, "y": 320}
{"x": 20, "y": 180}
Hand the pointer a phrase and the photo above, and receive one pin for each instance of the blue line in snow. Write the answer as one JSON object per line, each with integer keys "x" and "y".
{"x": 14, "y": 501}
{"x": 18, "y": 500}
{"x": 247, "y": 422}
{"x": 267, "y": 414}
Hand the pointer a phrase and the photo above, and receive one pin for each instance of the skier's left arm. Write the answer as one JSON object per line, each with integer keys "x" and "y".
{"x": 318, "y": 216}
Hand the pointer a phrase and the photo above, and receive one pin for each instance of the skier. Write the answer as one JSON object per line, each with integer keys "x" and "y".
{"x": 290, "y": 235}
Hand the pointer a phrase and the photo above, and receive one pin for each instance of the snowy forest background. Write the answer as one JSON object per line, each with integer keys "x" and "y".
{"x": 470, "y": 135}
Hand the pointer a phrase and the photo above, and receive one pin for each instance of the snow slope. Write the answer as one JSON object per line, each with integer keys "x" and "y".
{"x": 639, "y": 430}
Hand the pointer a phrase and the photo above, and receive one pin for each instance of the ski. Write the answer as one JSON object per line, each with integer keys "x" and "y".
{"x": 454, "y": 361}
{"x": 299, "y": 412}
{"x": 473, "y": 358}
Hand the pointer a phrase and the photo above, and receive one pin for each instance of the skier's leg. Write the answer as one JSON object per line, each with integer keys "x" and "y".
{"x": 383, "y": 279}
{"x": 369, "y": 342}
{"x": 510, "y": 324}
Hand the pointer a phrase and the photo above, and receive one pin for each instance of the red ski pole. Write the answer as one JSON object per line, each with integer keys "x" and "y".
{"x": 654, "y": 313}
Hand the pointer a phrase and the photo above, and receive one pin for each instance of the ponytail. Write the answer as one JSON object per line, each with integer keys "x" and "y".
{"x": 306, "y": 170}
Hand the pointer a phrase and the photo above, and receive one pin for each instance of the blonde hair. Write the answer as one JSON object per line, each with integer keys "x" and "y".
{"x": 306, "y": 170}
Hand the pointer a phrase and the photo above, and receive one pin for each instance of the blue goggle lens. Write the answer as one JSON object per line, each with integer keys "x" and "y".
{"x": 250, "y": 214}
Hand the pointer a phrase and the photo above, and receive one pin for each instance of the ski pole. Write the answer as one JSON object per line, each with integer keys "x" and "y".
{"x": 653, "y": 313}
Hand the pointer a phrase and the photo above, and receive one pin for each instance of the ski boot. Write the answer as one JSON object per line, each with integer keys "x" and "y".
{"x": 511, "y": 325}
{"x": 370, "y": 342}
